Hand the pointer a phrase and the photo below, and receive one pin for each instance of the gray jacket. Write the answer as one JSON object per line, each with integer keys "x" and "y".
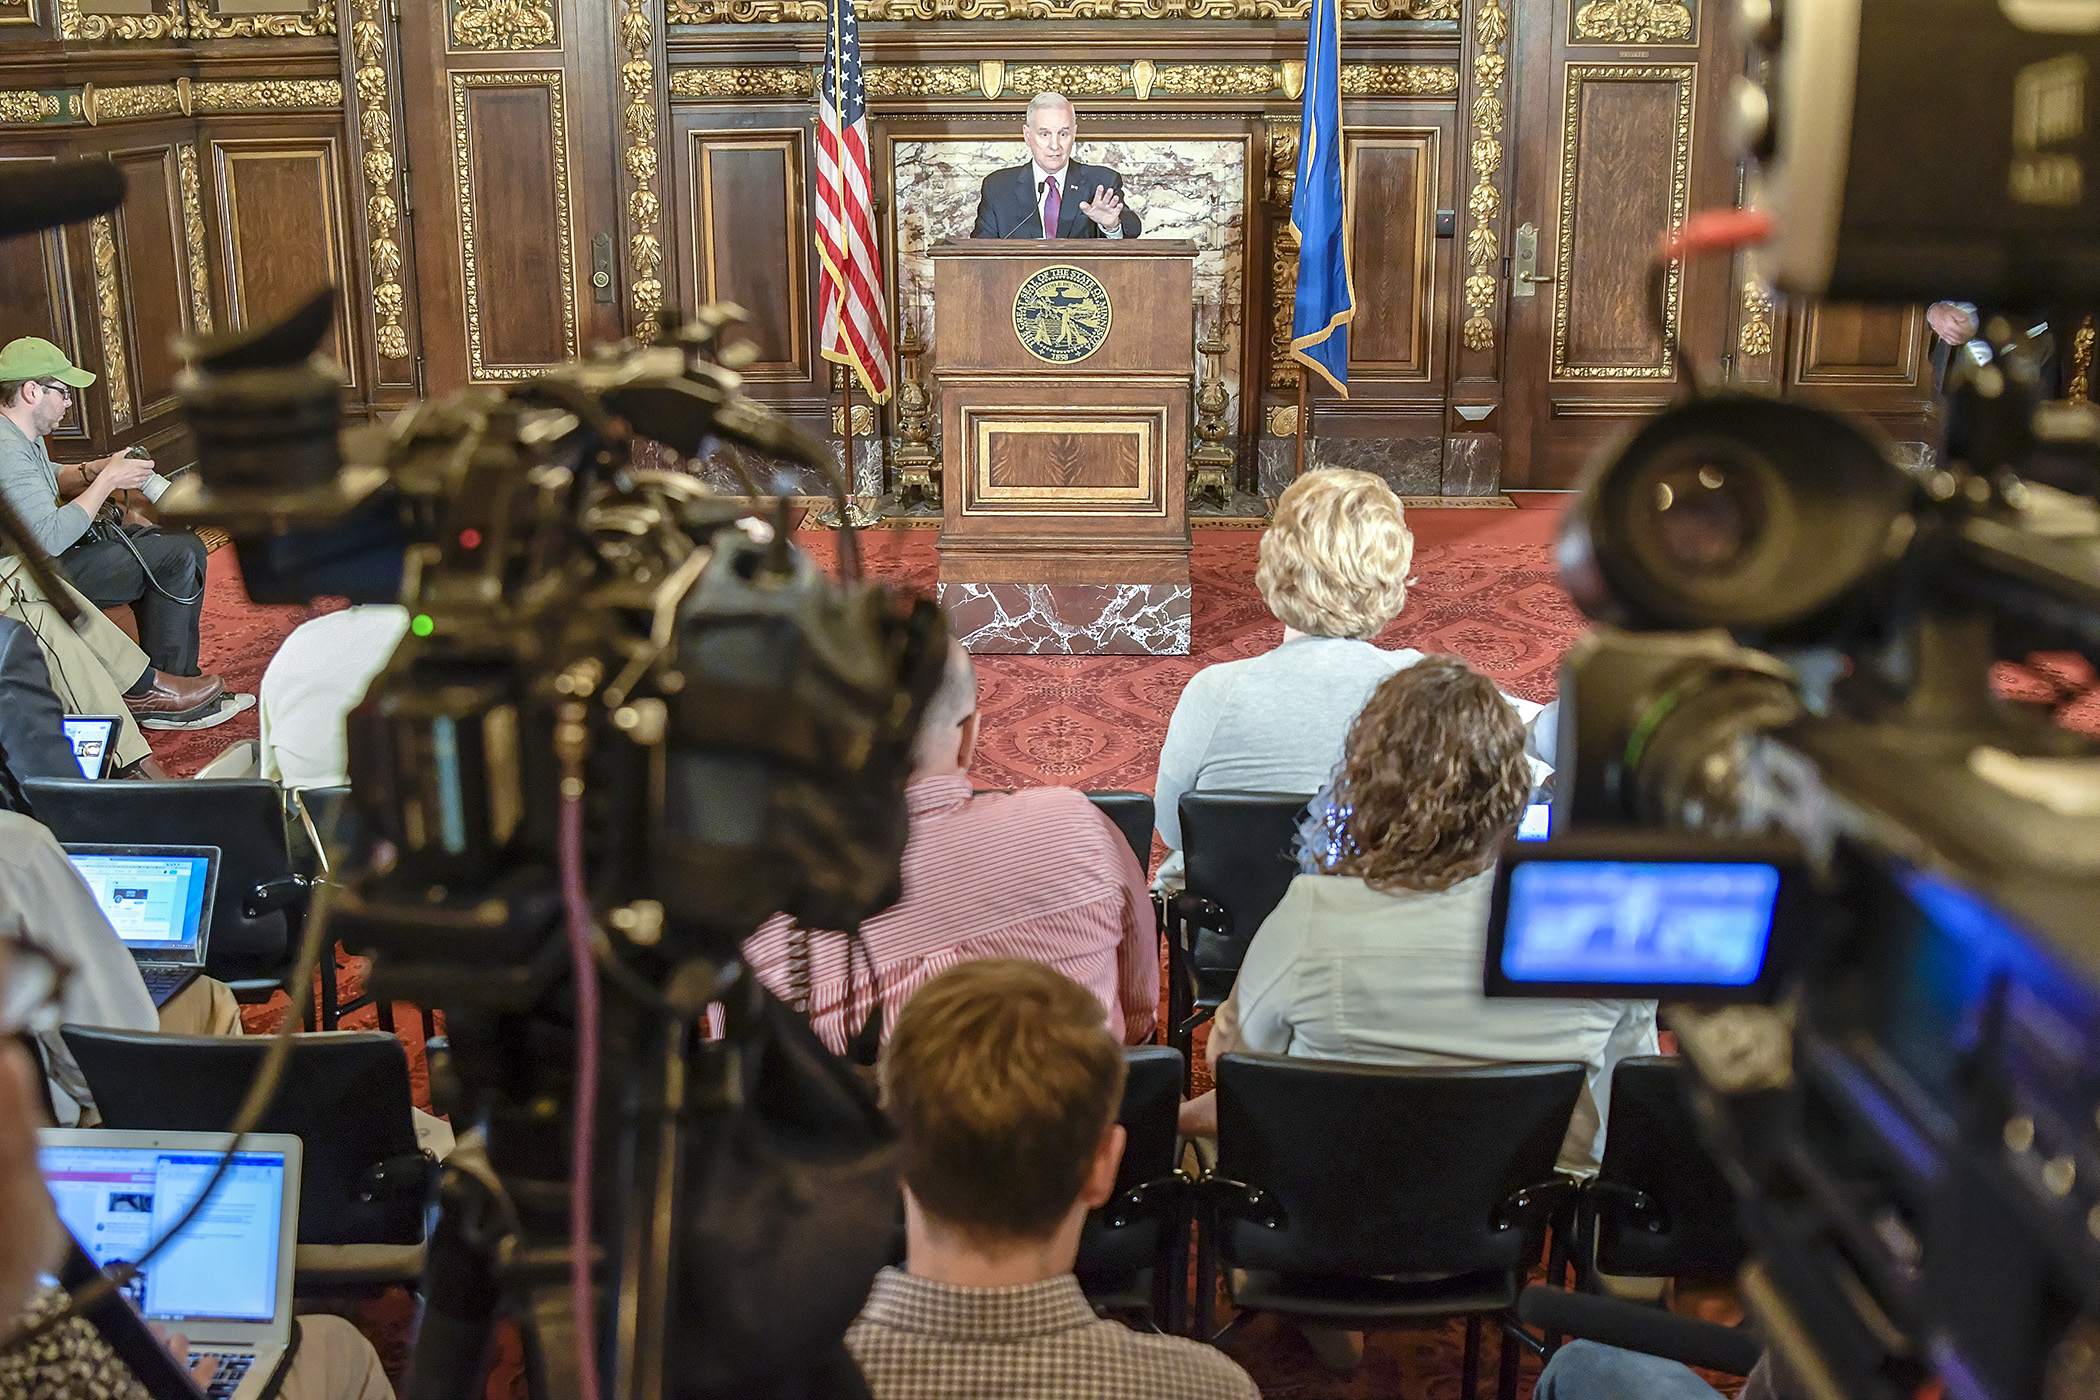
{"x": 30, "y": 483}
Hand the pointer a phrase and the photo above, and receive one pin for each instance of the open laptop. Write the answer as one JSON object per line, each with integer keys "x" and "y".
{"x": 94, "y": 741}
{"x": 225, "y": 1282}
{"x": 159, "y": 900}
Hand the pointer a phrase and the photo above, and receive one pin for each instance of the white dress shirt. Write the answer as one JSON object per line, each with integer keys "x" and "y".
{"x": 313, "y": 682}
{"x": 1341, "y": 971}
{"x": 1066, "y": 195}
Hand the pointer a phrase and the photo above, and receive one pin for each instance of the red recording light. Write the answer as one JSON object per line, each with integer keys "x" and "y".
{"x": 470, "y": 539}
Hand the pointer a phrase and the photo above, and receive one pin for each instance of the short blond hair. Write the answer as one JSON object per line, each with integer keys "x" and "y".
{"x": 1334, "y": 561}
{"x": 1001, "y": 1077}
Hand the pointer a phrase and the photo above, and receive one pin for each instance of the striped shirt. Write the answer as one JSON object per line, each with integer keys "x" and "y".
{"x": 1039, "y": 874}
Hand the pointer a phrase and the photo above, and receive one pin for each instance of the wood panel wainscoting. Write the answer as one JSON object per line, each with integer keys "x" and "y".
{"x": 498, "y": 185}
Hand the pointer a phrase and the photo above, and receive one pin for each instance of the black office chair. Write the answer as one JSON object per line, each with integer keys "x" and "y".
{"x": 1132, "y": 814}
{"x": 1377, "y": 1196}
{"x": 320, "y": 824}
{"x": 260, "y": 908}
{"x": 365, "y": 1185}
{"x": 1238, "y": 852}
{"x": 1658, "y": 1206}
{"x": 1133, "y": 1252}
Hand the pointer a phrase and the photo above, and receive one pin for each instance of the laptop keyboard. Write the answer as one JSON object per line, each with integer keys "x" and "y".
{"x": 162, "y": 982}
{"x": 233, "y": 1365}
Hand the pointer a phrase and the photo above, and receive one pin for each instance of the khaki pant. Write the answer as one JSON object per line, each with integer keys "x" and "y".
{"x": 92, "y": 662}
{"x": 205, "y": 1007}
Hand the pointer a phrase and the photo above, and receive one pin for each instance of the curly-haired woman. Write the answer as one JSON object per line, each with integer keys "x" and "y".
{"x": 1379, "y": 959}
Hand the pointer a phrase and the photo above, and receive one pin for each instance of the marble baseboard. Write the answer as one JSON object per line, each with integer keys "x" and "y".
{"x": 1411, "y": 466}
{"x": 719, "y": 470}
{"x": 1473, "y": 465}
{"x": 1069, "y": 619}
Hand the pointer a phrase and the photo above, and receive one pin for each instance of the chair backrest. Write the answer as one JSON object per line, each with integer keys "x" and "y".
{"x": 1386, "y": 1169}
{"x": 1238, "y": 852}
{"x": 334, "y": 820}
{"x": 1150, "y": 1115}
{"x": 1132, "y": 814}
{"x": 244, "y": 818}
{"x": 346, "y": 1096}
{"x": 1661, "y": 1205}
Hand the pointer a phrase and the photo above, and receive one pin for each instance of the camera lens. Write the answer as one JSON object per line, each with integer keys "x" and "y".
{"x": 1710, "y": 509}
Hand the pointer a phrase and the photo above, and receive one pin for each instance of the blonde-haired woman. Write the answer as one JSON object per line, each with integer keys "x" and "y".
{"x": 1333, "y": 570}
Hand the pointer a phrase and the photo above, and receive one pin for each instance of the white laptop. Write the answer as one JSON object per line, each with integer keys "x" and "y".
{"x": 226, "y": 1281}
{"x": 159, "y": 899}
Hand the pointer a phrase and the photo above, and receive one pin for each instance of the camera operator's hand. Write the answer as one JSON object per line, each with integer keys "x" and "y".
{"x": 1951, "y": 322}
{"x": 31, "y": 1240}
{"x": 110, "y": 475}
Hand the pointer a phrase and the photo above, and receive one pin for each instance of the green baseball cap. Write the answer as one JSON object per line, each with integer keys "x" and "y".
{"x": 33, "y": 357}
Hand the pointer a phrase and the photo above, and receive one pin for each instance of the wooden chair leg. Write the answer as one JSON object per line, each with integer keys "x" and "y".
{"x": 1469, "y": 1368}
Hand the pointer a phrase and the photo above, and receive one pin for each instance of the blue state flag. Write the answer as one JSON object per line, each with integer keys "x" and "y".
{"x": 1319, "y": 214}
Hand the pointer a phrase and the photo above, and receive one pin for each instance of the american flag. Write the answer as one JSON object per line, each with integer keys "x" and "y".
{"x": 849, "y": 288}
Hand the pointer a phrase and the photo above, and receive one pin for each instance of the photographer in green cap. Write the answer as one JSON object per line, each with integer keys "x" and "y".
{"x": 109, "y": 560}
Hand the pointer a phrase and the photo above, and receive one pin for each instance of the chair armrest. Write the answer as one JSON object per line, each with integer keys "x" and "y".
{"x": 1148, "y": 1200}
{"x": 409, "y": 1174}
{"x": 290, "y": 894}
{"x": 1531, "y": 1203}
{"x": 1225, "y": 1197}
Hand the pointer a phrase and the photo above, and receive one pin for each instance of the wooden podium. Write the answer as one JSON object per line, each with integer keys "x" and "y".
{"x": 1065, "y": 372}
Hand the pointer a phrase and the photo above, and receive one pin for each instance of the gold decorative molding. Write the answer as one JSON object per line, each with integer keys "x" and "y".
{"x": 1682, "y": 77}
{"x": 991, "y": 76}
{"x": 1756, "y": 336}
{"x": 203, "y": 24}
{"x": 920, "y": 80}
{"x": 109, "y": 308}
{"x": 2080, "y": 389}
{"x": 1294, "y": 78}
{"x": 1283, "y": 422}
{"x": 1398, "y": 80}
{"x": 811, "y": 11}
{"x": 1279, "y": 184}
{"x": 269, "y": 94}
{"x": 504, "y": 24}
{"x": 1143, "y": 72}
{"x": 863, "y": 420}
{"x": 463, "y": 188}
{"x": 1633, "y": 22}
{"x": 72, "y": 24}
{"x": 29, "y": 105}
{"x": 375, "y": 123}
{"x": 193, "y": 239}
{"x": 1484, "y": 241}
{"x": 645, "y": 252}
{"x": 749, "y": 82}
{"x": 13, "y": 12}
{"x": 1071, "y": 79}
{"x": 1229, "y": 79}
{"x": 110, "y": 104}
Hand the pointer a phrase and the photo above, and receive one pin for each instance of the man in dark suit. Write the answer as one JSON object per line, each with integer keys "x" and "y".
{"x": 1053, "y": 196}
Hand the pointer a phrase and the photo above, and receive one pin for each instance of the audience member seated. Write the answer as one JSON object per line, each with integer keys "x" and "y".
{"x": 45, "y": 905}
{"x": 1040, "y": 874}
{"x": 313, "y": 682}
{"x": 1379, "y": 959}
{"x": 1583, "y": 1370}
{"x": 159, "y": 574}
{"x": 1333, "y": 570}
{"x": 32, "y": 722}
{"x": 1004, "y": 1088}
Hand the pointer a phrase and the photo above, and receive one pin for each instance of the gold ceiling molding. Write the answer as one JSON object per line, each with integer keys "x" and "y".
{"x": 550, "y": 80}
{"x": 920, "y": 80}
{"x": 109, "y": 308}
{"x": 1633, "y": 22}
{"x": 645, "y": 252}
{"x": 268, "y": 94}
{"x": 193, "y": 239}
{"x": 812, "y": 11}
{"x": 750, "y": 82}
{"x": 504, "y": 24}
{"x": 1483, "y": 242}
{"x": 375, "y": 122}
{"x": 1140, "y": 78}
{"x": 194, "y": 19}
{"x": 1071, "y": 79}
{"x": 29, "y": 105}
{"x": 1227, "y": 79}
{"x": 1756, "y": 336}
{"x": 111, "y": 104}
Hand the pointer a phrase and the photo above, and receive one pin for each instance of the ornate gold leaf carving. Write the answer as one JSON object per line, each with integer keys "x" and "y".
{"x": 863, "y": 420}
{"x": 1756, "y": 336}
{"x": 109, "y": 308}
{"x": 203, "y": 24}
{"x": 322, "y": 94}
{"x": 72, "y": 24}
{"x": 504, "y": 24}
{"x": 110, "y": 104}
{"x": 1283, "y": 422}
{"x": 808, "y": 11}
{"x": 1633, "y": 22}
{"x": 1231, "y": 79}
{"x": 28, "y": 105}
{"x": 375, "y": 122}
{"x": 638, "y": 120}
{"x": 920, "y": 80}
{"x": 463, "y": 189}
{"x": 1071, "y": 79}
{"x": 748, "y": 82}
{"x": 1681, "y": 77}
{"x": 2080, "y": 388}
{"x": 1483, "y": 241}
{"x": 193, "y": 239}
{"x": 1284, "y": 373}
{"x": 1398, "y": 80}
{"x": 1143, "y": 72}
{"x": 1282, "y": 170}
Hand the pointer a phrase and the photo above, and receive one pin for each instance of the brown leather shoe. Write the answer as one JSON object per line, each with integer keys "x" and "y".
{"x": 176, "y": 697}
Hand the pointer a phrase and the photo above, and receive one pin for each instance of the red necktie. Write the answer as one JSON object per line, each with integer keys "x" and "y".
{"x": 1050, "y": 207}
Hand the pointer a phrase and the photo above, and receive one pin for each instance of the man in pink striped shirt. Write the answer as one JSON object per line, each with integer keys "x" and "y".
{"x": 1040, "y": 874}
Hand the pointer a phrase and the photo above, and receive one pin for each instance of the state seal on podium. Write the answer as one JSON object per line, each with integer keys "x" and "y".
{"x": 1062, "y": 315}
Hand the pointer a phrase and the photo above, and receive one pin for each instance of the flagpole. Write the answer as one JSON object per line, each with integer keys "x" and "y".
{"x": 1304, "y": 407}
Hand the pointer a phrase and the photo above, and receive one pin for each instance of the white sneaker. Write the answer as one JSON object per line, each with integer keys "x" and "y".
{"x": 230, "y": 704}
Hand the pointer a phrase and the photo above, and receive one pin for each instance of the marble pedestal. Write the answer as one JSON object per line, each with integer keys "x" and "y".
{"x": 1069, "y": 619}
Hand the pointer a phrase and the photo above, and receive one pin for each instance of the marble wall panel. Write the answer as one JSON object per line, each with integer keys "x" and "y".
{"x": 1411, "y": 466}
{"x": 1191, "y": 188}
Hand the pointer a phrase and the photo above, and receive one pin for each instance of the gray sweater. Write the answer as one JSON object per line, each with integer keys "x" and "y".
{"x": 30, "y": 483}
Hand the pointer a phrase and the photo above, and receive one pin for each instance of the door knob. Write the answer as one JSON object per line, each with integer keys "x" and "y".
{"x": 1524, "y": 262}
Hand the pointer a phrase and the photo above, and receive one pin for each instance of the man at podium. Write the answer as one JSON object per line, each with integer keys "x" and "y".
{"x": 1053, "y": 196}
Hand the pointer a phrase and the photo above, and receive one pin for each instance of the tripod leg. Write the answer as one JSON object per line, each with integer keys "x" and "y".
{"x": 460, "y": 1288}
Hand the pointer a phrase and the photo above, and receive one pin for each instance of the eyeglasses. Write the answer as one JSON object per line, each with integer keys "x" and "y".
{"x": 57, "y": 388}
{"x": 33, "y": 984}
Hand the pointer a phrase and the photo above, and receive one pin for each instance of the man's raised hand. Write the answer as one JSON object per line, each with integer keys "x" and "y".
{"x": 1105, "y": 208}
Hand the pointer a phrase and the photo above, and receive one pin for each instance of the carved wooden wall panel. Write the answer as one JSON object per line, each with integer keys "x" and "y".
{"x": 36, "y": 298}
{"x": 747, "y": 219}
{"x": 517, "y": 249}
{"x": 282, "y": 235}
{"x": 153, "y": 268}
{"x": 1843, "y": 345}
{"x": 1393, "y": 188}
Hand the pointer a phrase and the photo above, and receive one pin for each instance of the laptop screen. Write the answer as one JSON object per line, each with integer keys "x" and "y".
{"x": 117, "y": 1200}
{"x": 94, "y": 740}
{"x": 156, "y": 897}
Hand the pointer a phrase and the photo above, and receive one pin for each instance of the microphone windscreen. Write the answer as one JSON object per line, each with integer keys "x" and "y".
{"x": 34, "y": 197}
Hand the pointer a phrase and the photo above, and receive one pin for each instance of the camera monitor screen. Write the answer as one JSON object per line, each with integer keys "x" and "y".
{"x": 1600, "y": 924}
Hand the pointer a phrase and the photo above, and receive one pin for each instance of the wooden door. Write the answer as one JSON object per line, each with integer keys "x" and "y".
{"x": 1621, "y": 131}
{"x": 512, "y": 155}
